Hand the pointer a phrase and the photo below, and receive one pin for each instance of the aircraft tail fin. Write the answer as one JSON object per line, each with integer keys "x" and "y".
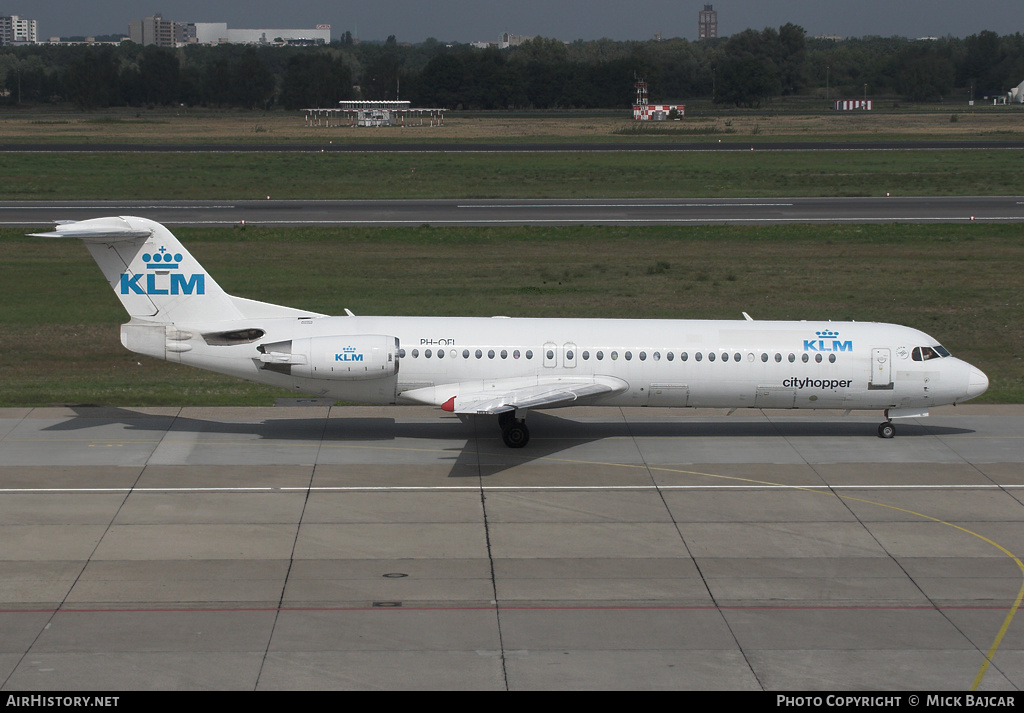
{"x": 154, "y": 276}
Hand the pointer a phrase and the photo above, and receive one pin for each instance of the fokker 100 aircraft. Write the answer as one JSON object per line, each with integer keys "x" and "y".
{"x": 506, "y": 367}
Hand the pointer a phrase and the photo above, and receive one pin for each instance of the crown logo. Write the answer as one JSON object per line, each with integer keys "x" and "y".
{"x": 827, "y": 334}
{"x": 348, "y": 350}
{"x": 161, "y": 259}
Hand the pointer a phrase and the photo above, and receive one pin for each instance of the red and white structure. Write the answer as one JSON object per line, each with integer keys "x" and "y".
{"x": 656, "y": 112}
{"x": 642, "y": 111}
{"x": 843, "y": 105}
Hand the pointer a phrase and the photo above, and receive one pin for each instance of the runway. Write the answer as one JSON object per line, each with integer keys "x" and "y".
{"x": 329, "y": 145}
{"x": 617, "y": 211}
{"x": 326, "y": 547}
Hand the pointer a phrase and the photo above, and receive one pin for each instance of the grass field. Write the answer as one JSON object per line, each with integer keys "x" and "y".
{"x": 236, "y": 176}
{"x": 59, "y": 326}
{"x": 59, "y": 323}
{"x": 704, "y": 122}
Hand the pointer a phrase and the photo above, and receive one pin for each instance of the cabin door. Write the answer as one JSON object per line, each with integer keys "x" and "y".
{"x": 881, "y": 369}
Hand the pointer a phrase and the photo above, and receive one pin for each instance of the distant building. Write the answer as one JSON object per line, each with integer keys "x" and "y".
{"x": 215, "y": 33}
{"x": 504, "y": 42}
{"x": 155, "y": 30}
{"x": 707, "y": 23}
{"x": 374, "y": 113}
{"x": 17, "y": 30}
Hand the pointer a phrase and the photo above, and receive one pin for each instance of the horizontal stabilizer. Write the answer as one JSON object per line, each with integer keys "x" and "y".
{"x": 105, "y": 229}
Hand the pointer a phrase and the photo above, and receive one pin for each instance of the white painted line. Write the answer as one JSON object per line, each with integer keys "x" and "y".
{"x": 114, "y": 204}
{"x": 477, "y": 488}
{"x": 584, "y": 221}
{"x": 629, "y": 205}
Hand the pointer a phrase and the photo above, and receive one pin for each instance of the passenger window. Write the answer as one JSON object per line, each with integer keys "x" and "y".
{"x": 792, "y": 358}
{"x": 778, "y": 357}
{"x": 550, "y": 354}
{"x": 711, "y": 356}
{"x": 698, "y": 356}
{"x": 737, "y": 356}
{"x": 415, "y": 353}
{"x": 515, "y": 354}
{"x": 615, "y": 355}
{"x": 490, "y": 353}
{"x": 479, "y": 354}
{"x": 831, "y": 358}
{"x": 504, "y": 354}
{"x": 684, "y": 356}
{"x": 669, "y": 356}
{"x": 657, "y": 356}
{"x": 440, "y": 353}
{"x": 764, "y": 356}
{"x": 817, "y": 358}
{"x": 465, "y": 354}
{"x": 586, "y": 356}
{"x": 629, "y": 356}
{"x": 427, "y": 353}
{"x": 643, "y": 356}
{"x": 569, "y": 355}
{"x": 804, "y": 357}
{"x": 529, "y": 354}
{"x": 600, "y": 356}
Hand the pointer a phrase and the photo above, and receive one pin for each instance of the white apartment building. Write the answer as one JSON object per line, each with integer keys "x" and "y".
{"x": 15, "y": 29}
{"x": 155, "y": 30}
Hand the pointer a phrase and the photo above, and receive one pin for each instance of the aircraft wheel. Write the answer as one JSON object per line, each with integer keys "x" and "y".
{"x": 886, "y": 430}
{"x": 505, "y": 418}
{"x": 516, "y": 435}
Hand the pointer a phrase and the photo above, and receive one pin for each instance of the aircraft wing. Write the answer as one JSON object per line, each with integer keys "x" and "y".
{"x": 538, "y": 395}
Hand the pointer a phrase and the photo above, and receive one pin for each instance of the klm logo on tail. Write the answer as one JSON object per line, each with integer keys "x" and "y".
{"x": 163, "y": 281}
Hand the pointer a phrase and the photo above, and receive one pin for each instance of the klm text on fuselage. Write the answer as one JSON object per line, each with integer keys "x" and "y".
{"x": 824, "y": 345}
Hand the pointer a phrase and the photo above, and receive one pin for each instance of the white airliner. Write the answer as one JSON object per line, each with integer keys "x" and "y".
{"x": 506, "y": 367}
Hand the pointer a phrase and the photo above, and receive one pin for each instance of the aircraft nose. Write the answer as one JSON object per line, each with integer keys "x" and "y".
{"x": 977, "y": 383}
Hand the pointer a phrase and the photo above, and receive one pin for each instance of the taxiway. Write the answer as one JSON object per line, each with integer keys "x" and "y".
{"x": 359, "y": 547}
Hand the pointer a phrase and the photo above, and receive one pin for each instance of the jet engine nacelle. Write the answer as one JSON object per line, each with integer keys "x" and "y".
{"x": 363, "y": 356}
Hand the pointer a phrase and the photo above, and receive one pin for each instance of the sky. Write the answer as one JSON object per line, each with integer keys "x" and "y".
{"x": 484, "y": 20}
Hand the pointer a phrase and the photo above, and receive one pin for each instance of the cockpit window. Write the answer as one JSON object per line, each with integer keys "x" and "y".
{"x": 926, "y": 353}
{"x": 941, "y": 350}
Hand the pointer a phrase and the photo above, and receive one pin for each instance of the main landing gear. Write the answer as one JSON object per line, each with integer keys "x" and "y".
{"x": 886, "y": 430}
{"x": 514, "y": 432}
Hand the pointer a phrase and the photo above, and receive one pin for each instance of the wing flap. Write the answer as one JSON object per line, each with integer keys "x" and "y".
{"x": 542, "y": 395}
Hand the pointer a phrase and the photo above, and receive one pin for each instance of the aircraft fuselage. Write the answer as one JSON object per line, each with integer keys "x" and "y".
{"x": 696, "y": 363}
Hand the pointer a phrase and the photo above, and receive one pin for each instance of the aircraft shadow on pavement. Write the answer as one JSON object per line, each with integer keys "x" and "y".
{"x": 484, "y": 453}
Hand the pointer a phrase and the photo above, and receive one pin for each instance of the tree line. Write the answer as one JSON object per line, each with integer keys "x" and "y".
{"x": 748, "y": 69}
